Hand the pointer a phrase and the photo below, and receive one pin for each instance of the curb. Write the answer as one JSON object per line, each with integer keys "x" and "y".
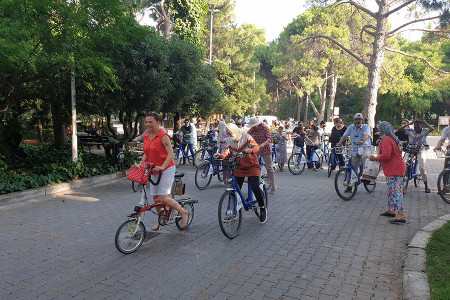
{"x": 17, "y": 197}
{"x": 415, "y": 280}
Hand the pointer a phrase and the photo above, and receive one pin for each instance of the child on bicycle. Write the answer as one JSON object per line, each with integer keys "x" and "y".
{"x": 239, "y": 141}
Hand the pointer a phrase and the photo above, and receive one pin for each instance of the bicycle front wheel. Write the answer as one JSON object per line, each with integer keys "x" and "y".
{"x": 189, "y": 207}
{"x": 199, "y": 157}
{"x": 295, "y": 164}
{"x": 406, "y": 179}
{"x": 203, "y": 175}
{"x": 443, "y": 185}
{"x": 341, "y": 184}
{"x": 230, "y": 222}
{"x": 130, "y": 236}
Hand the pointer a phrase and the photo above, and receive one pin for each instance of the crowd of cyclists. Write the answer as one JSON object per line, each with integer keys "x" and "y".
{"x": 269, "y": 142}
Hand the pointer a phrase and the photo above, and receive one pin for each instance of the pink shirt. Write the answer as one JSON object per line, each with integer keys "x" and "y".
{"x": 391, "y": 158}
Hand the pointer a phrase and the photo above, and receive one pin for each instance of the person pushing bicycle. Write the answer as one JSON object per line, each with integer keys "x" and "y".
{"x": 240, "y": 141}
{"x": 359, "y": 134}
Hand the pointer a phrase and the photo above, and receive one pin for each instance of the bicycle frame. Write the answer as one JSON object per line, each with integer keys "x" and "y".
{"x": 353, "y": 170}
{"x": 413, "y": 162}
{"x": 309, "y": 160}
{"x": 247, "y": 203}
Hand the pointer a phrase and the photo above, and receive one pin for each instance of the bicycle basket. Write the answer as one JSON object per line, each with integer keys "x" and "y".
{"x": 411, "y": 148}
{"x": 229, "y": 164}
{"x": 342, "y": 150}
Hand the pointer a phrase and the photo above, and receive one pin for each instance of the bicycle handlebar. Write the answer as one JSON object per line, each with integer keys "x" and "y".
{"x": 150, "y": 176}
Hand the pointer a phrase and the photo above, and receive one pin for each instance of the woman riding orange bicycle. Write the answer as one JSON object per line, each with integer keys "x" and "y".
{"x": 158, "y": 151}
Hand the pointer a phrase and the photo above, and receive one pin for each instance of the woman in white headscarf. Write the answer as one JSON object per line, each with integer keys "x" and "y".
{"x": 223, "y": 137}
{"x": 238, "y": 142}
{"x": 390, "y": 157}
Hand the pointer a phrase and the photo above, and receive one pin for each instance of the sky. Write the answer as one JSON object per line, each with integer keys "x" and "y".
{"x": 274, "y": 15}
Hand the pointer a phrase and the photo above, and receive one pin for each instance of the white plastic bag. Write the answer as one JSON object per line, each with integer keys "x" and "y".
{"x": 371, "y": 169}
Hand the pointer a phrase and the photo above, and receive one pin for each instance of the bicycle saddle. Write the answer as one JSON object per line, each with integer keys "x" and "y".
{"x": 179, "y": 174}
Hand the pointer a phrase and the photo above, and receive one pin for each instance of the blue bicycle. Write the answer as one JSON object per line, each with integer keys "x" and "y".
{"x": 206, "y": 170}
{"x": 334, "y": 161}
{"x": 411, "y": 151}
{"x": 348, "y": 178}
{"x": 180, "y": 155}
{"x": 232, "y": 201}
{"x": 205, "y": 151}
{"x": 443, "y": 179}
{"x": 298, "y": 160}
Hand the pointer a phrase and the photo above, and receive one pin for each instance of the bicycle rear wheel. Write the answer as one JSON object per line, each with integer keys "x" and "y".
{"x": 199, "y": 157}
{"x": 230, "y": 223}
{"x": 295, "y": 165}
{"x": 203, "y": 175}
{"x": 370, "y": 186}
{"x": 444, "y": 186}
{"x": 344, "y": 191}
{"x": 130, "y": 236}
{"x": 189, "y": 207}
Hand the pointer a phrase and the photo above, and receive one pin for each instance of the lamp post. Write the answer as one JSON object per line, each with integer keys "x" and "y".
{"x": 212, "y": 10}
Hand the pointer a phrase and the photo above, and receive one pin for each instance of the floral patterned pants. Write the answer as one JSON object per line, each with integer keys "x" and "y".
{"x": 395, "y": 192}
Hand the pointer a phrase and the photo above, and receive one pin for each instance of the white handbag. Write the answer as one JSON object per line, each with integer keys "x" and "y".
{"x": 371, "y": 169}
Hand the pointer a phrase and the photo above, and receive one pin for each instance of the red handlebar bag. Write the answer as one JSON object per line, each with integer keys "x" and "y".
{"x": 138, "y": 174}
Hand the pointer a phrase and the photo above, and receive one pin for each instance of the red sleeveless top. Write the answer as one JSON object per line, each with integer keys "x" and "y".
{"x": 155, "y": 151}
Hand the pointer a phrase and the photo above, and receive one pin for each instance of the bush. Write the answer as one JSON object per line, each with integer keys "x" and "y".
{"x": 45, "y": 164}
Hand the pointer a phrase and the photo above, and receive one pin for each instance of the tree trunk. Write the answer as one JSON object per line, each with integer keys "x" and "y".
{"x": 376, "y": 62}
{"x": 278, "y": 103}
{"x": 290, "y": 104}
{"x": 10, "y": 136}
{"x": 167, "y": 23}
{"x": 333, "y": 90}
{"x": 305, "y": 120}
{"x": 59, "y": 132}
{"x": 299, "y": 107}
{"x": 176, "y": 123}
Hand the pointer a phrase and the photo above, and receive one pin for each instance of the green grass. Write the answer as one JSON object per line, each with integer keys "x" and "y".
{"x": 438, "y": 263}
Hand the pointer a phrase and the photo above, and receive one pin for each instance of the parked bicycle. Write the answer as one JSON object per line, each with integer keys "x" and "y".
{"x": 232, "y": 201}
{"x": 131, "y": 234}
{"x": 348, "y": 178}
{"x": 206, "y": 170}
{"x": 443, "y": 178}
{"x": 411, "y": 152}
{"x": 298, "y": 160}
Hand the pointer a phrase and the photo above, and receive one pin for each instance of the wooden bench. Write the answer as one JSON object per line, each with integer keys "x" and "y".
{"x": 92, "y": 140}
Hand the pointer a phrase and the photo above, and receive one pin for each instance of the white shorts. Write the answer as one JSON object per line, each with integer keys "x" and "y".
{"x": 165, "y": 185}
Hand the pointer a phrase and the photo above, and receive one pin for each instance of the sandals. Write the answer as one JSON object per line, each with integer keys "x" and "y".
{"x": 185, "y": 221}
{"x": 398, "y": 221}
{"x": 387, "y": 214}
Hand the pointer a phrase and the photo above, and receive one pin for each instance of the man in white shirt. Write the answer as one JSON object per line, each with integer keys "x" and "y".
{"x": 444, "y": 136}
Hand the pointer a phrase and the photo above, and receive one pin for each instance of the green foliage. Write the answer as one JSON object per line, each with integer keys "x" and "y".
{"x": 45, "y": 165}
{"x": 438, "y": 263}
{"x": 189, "y": 18}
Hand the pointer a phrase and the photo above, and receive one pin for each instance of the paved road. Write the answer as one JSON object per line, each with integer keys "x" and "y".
{"x": 313, "y": 246}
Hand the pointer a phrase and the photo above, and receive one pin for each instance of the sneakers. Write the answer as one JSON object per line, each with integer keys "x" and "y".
{"x": 348, "y": 189}
{"x": 262, "y": 215}
{"x": 273, "y": 189}
{"x": 232, "y": 217}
